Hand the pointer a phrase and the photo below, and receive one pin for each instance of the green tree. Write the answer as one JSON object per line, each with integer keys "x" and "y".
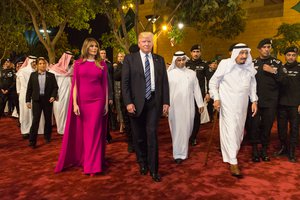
{"x": 224, "y": 19}
{"x": 287, "y": 35}
{"x": 11, "y": 30}
{"x": 219, "y": 18}
{"x": 48, "y": 14}
{"x": 120, "y": 37}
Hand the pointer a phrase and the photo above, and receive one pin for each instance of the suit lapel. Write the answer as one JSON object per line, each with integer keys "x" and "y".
{"x": 140, "y": 64}
{"x": 37, "y": 81}
{"x": 46, "y": 80}
{"x": 155, "y": 63}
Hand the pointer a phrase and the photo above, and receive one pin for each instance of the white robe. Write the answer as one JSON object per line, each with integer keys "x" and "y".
{"x": 60, "y": 107}
{"x": 25, "y": 117}
{"x": 232, "y": 86}
{"x": 184, "y": 88}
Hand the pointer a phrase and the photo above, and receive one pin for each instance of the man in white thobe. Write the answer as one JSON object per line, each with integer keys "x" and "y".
{"x": 25, "y": 117}
{"x": 184, "y": 88}
{"x": 63, "y": 72}
{"x": 230, "y": 87}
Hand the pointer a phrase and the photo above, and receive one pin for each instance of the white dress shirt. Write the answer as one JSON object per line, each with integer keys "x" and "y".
{"x": 150, "y": 58}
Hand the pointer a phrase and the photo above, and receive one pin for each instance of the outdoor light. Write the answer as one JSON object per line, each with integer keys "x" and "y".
{"x": 42, "y": 31}
{"x": 131, "y": 5}
{"x": 152, "y": 18}
{"x": 180, "y": 25}
{"x": 124, "y": 7}
{"x": 164, "y": 27}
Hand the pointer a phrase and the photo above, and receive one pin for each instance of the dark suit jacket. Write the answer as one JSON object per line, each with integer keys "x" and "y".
{"x": 133, "y": 82}
{"x": 33, "y": 87}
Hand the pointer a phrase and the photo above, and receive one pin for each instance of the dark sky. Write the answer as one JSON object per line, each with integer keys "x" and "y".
{"x": 98, "y": 26}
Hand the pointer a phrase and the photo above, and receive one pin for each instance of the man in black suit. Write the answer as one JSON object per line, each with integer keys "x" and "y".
{"x": 111, "y": 122}
{"x": 42, "y": 90}
{"x": 145, "y": 90}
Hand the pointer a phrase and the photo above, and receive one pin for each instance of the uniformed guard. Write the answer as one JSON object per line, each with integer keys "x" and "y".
{"x": 200, "y": 67}
{"x": 267, "y": 80}
{"x": 7, "y": 84}
{"x": 212, "y": 67}
{"x": 289, "y": 104}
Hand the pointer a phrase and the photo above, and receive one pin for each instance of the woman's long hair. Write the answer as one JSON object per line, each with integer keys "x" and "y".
{"x": 85, "y": 51}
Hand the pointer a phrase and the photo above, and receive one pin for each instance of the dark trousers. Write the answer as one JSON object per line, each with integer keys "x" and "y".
{"x": 144, "y": 129}
{"x": 288, "y": 114}
{"x": 261, "y": 125}
{"x": 110, "y": 125}
{"x": 3, "y": 100}
{"x": 197, "y": 122}
{"x": 210, "y": 109}
{"x": 112, "y": 118}
{"x": 14, "y": 99}
{"x": 44, "y": 105}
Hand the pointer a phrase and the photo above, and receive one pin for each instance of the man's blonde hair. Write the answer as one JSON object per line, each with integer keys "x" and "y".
{"x": 145, "y": 34}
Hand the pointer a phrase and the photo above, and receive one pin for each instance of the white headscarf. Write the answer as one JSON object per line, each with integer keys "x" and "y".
{"x": 248, "y": 65}
{"x": 26, "y": 67}
{"x": 178, "y": 54}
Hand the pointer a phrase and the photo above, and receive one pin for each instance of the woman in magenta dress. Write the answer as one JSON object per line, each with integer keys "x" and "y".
{"x": 85, "y": 132}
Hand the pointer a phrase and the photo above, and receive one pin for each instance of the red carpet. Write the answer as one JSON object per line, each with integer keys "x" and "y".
{"x": 28, "y": 174}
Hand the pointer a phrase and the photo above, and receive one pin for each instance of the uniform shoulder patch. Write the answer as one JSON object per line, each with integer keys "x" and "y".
{"x": 284, "y": 70}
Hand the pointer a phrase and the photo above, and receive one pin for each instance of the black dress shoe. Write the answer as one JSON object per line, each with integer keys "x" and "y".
{"x": 264, "y": 156}
{"x": 25, "y": 136}
{"x": 178, "y": 160}
{"x": 143, "y": 170}
{"x": 194, "y": 142}
{"x": 255, "y": 159}
{"x": 282, "y": 151}
{"x": 292, "y": 159}
{"x": 32, "y": 145}
{"x": 108, "y": 141}
{"x": 47, "y": 141}
{"x": 155, "y": 177}
{"x": 130, "y": 149}
{"x": 255, "y": 154}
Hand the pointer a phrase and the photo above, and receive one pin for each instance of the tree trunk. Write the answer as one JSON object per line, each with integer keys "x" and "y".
{"x": 51, "y": 55}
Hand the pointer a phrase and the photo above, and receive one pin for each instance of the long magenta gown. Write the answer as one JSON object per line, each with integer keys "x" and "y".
{"x": 85, "y": 135}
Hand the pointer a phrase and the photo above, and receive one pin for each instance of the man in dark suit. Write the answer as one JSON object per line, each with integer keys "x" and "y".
{"x": 145, "y": 90}
{"x": 42, "y": 90}
{"x": 111, "y": 122}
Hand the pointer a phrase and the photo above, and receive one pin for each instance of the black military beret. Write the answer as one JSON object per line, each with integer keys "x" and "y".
{"x": 263, "y": 42}
{"x": 194, "y": 47}
{"x": 134, "y": 48}
{"x": 291, "y": 49}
